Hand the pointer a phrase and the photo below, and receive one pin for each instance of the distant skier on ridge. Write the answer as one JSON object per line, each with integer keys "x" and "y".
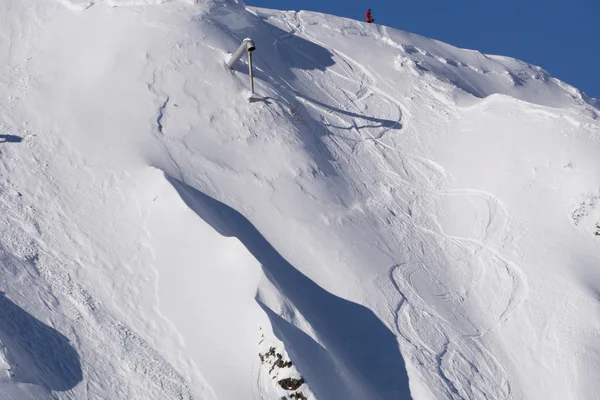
{"x": 369, "y": 16}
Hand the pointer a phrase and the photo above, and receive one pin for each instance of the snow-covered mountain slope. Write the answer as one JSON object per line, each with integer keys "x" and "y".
{"x": 397, "y": 219}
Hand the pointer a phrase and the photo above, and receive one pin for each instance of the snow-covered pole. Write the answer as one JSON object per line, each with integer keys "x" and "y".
{"x": 246, "y": 46}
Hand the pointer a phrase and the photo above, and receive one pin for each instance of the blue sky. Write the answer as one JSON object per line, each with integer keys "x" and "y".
{"x": 561, "y": 36}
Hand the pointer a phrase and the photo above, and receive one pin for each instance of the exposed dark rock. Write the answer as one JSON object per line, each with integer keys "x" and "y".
{"x": 298, "y": 396}
{"x": 291, "y": 383}
{"x": 282, "y": 364}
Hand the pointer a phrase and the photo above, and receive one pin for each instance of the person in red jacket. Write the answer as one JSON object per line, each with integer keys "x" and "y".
{"x": 369, "y": 16}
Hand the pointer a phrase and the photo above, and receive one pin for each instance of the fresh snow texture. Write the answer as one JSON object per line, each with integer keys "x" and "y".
{"x": 396, "y": 218}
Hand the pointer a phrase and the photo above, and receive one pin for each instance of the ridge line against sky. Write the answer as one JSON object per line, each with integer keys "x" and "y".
{"x": 560, "y": 37}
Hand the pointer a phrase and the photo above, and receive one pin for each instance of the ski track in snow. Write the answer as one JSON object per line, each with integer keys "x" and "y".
{"x": 485, "y": 268}
{"x": 451, "y": 344}
{"x": 453, "y": 280}
{"x": 478, "y": 254}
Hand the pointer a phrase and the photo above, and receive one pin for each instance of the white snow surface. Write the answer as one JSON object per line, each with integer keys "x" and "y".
{"x": 399, "y": 218}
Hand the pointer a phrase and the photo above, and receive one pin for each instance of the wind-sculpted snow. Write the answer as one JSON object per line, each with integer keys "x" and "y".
{"x": 31, "y": 345}
{"x": 398, "y": 218}
{"x": 360, "y": 351}
{"x": 39, "y": 355}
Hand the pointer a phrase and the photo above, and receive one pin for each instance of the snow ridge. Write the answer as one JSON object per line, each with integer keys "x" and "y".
{"x": 409, "y": 221}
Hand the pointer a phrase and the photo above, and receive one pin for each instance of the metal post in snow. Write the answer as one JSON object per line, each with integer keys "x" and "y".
{"x": 250, "y": 72}
{"x": 248, "y": 47}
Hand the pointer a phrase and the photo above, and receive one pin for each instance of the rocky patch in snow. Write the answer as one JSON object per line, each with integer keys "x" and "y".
{"x": 281, "y": 370}
{"x": 586, "y": 211}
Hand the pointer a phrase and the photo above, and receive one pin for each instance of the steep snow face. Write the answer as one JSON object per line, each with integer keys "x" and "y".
{"x": 398, "y": 218}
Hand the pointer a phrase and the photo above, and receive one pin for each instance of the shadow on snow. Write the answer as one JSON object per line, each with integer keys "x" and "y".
{"x": 359, "y": 352}
{"x": 37, "y": 353}
{"x": 280, "y": 54}
{"x": 295, "y": 53}
{"x": 10, "y": 139}
{"x": 288, "y": 52}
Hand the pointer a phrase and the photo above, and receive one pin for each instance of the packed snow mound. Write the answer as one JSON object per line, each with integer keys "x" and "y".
{"x": 397, "y": 218}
